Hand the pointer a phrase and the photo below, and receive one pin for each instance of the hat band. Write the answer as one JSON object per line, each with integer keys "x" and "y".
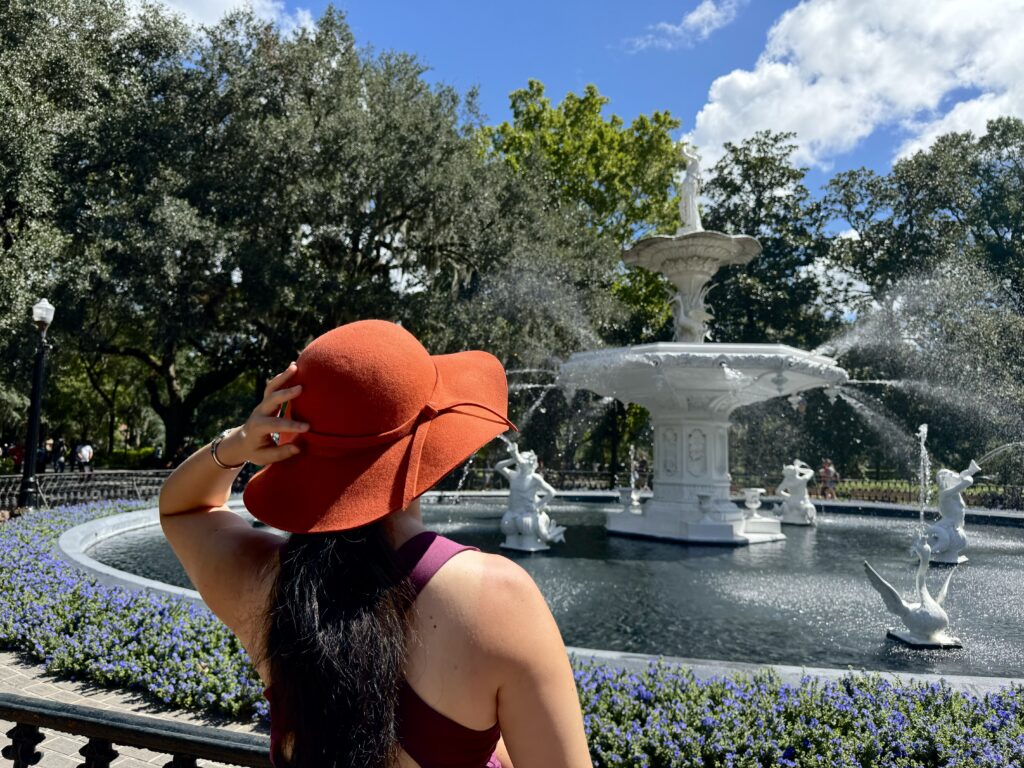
{"x": 329, "y": 445}
{"x": 336, "y": 446}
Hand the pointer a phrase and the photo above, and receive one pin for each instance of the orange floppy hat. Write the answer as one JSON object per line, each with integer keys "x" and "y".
{"x": 387, "y": 421}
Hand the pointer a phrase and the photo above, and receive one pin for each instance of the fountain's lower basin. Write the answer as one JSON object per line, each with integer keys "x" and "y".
{"x": 691, "y": 390}
{"x": 803, "y": 601}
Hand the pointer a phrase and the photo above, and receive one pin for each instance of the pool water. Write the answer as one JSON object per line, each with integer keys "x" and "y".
{"x": 804, "y": 601}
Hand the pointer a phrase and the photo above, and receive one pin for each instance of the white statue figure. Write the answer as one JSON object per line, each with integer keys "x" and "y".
{"x": 797, "y": 508}
{"x": 525, "y": 524}
{"x": 946, "y": 536}
{"x": 925, "y": 620}
{"x": 689, "y": 193}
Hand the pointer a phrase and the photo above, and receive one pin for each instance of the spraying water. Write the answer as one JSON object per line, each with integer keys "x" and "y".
{"x": 892, "y": 435}
{"x": 634, "y": 475}
{"x": 924, "y": 473}
{"x": 999, "y": 451}
{"x": 462, "y": 479}
{"x": 536, "y": 404}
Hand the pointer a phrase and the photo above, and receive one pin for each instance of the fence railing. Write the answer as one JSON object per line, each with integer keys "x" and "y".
{"x": 57, "y": 488}
{"x": 986, "y": 495}
{"x": 104, "y": 730}
{"x": 78, "y": 487}
{"x": 486, "y": 479}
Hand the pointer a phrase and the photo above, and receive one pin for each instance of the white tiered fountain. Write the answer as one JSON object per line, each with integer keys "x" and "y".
{"x": 691, "y": 388}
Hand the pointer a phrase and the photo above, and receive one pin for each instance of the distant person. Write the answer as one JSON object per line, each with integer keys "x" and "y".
{"x": 17, "y": 456}
{"x": 828, "y": 479}
{"x": 43, "y": 455}
{"x": 83, "y": 456}
{"x": 60, "y": 450}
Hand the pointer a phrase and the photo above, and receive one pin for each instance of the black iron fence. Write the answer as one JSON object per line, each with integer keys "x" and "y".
{"x": 78, "y": 487}
{"x": 56, "y": 488}
{"x": 906, "y": 492}
{"x": 104, "y": 730}
{"x": 486, "y": 479}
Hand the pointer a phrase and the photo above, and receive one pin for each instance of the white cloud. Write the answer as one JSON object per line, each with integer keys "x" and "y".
{"x": 835, "y": 71}
{"x": 695, "y": 26}
{"x": 211, "y": 11}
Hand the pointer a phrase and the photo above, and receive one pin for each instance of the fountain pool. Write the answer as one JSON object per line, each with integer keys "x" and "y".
{"x": 803, "y": 601}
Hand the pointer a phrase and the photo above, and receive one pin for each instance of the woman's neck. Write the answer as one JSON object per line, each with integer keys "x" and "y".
{"x": 401, "y": 526}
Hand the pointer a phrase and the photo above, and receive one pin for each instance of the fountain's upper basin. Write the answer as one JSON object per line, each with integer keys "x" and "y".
{"x": 670, "y": 376}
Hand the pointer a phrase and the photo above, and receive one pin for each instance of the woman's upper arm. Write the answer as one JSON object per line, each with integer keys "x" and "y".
{"x": 228, "y": 561}
{"x": 538, "y": 705}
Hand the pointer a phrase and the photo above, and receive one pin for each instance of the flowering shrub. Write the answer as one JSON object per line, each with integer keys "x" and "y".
{"x": 183, "y": 656}
{"x": 166, "y": 646}
{"x": 664, "y": 717}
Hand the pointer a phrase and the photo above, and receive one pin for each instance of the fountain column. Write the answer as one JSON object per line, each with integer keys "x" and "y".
{"x": 691, "y": 485}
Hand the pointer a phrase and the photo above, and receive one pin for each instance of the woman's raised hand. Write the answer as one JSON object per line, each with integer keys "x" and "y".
{"x": 254, "y": 441}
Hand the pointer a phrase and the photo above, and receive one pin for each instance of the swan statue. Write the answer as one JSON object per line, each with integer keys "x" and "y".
{"x": 926, "y": 622}
{"x": 690, "y": 316}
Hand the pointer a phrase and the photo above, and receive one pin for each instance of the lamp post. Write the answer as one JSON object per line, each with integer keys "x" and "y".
{"x": 28, "y": 494}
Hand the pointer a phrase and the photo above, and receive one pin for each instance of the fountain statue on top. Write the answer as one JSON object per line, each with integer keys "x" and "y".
{"x": 926, "y": 621}
{"x": 797, "y": 508}
{"x": 526, "y": 525}
{"x": 691, "y": 387}
{"x": 946, "y": 536}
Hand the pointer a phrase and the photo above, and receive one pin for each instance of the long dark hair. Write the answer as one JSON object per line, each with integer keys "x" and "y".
{"x": 336, "y": 646}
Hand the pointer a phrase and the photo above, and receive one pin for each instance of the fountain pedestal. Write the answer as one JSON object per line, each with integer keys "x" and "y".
{"x": 691, "y": 489}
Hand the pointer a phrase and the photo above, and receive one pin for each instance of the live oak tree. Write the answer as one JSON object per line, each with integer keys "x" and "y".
{"x": 62, "y": 63}
{"x": 784, "y": 294}
{"x": 616, "y": 179}
{"x": 939, "y": 242}
{"x": 235, "y": 193}
{"x": 961, "y": 198}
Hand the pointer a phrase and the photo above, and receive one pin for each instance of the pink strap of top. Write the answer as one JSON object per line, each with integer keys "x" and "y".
{"x": 430, "y": 738}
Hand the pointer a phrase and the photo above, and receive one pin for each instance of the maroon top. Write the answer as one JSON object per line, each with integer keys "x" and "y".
{"x": 430, "y": 738}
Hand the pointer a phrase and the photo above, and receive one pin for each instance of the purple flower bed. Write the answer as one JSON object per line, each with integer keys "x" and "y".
{"x": 177, "y": 652}
{"x": 181, "y": 655}
{"x": 664, "y": 717}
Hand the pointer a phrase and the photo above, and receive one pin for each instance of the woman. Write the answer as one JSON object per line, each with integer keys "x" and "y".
{"x": 381, "y": 644}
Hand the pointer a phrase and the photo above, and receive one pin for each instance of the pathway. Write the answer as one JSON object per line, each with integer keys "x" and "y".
{"x": 60, "y": 750}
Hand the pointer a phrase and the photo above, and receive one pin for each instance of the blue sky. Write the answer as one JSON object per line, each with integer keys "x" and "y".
{"x": 860, "y": 81}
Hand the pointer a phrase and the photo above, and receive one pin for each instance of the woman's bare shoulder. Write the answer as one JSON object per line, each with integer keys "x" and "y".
{"x": 483, "y": 571}
{"x": 497, "y": 599}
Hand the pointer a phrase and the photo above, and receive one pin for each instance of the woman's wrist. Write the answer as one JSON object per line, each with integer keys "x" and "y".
{"x": 231, "y": 451}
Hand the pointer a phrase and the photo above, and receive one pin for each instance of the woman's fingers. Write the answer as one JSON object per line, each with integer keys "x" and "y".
{"x": 265, "y": 425}
{"x": 273, "y": 401}
{"x": 275, "y": 453}
{"x": 288, "y": 425}
{"x": 278, "y": 381}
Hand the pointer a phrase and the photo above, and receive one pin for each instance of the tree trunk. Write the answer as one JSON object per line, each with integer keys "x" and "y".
{"x": 178, "y": 412}
{"x": 178, "y": 426}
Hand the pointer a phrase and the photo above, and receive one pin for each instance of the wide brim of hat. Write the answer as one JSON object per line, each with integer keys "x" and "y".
{"x": 316, "y": 494}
